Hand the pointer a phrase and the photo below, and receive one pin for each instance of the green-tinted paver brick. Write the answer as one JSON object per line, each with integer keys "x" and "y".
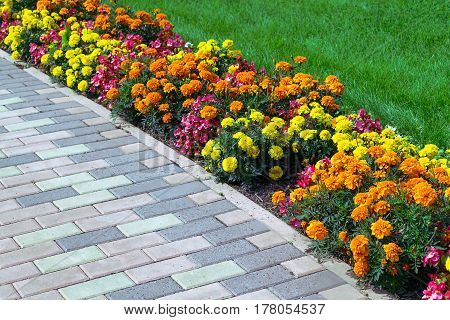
{"x": 2, "y": 155}
{"x": 97, "y": 287}
{"x": 9, "y": 171}
{"x": 57, "y": 183}
{"x": 3, "y": 109}
{"x": 63, "y": 152}
{"x": 4, "y": 102}
{"x": 84, "y": 200}
{"x": 102, "y": 184}
{"x": 53, "y": 233}
{"x": 29, "y": 124}
{"x": 208, "y": 274}
{"x": 69, "y": 259}
{"x": 149, "y": 225}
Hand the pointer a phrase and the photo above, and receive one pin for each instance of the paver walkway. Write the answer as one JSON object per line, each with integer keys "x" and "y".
{"x": 87, "y": 211}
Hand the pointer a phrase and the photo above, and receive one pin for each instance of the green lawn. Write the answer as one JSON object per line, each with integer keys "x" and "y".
{"x": 392, "y": 55}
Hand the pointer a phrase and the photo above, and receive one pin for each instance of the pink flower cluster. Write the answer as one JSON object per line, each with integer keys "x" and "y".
{"x": 363, "y": 123}
{"x": 438, "y": 286}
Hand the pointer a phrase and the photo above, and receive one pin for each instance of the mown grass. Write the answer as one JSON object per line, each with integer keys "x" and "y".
{"x": 392, "y": 54}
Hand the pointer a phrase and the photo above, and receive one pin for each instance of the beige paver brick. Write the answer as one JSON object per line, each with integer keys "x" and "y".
{"x": 7, "y": 205}
{"x": 213, "y": 291}
{"x": 28, "y": 178}
{"x": 19, "y": 191}
{"x": 133, "y": 148}
{"x": 49, "y": 295}
{"x": 106, "y": 220}
{"x": 30, "y": 148}
{"x": 177, "y": 248}
{"x": 124, "y": 203}
{"x": 67, "y": 216}
{"x": 19, "y": 256}
{"x": 117, "y": 133}
{"x": 81, "y": 167}
{"x": 27, "y": 213}
{"x": 234, "y": 217}
{"x": 17, "y": 273}
{"x": 303, "y": 266}
{"x": 7, "y": 292}
{"x": 156, "y": 162}
{"x": 45, "y": 164}
{"x": 138, "y": 242}
{"x": 267, "y": 240}
{"x": 115, "y": 264}
{"x": 18, "y": 228}
{"x": 96, "y": 121}
{"x": 51, "y": 281}
{"x": 47, "y": 137}
{"x": 179, "y": 178}
{"x": 205, "y": 197}
{"x": 344, "y": 292}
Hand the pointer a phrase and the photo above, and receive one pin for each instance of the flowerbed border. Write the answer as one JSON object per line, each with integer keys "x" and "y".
{"x": 342, "y": 269}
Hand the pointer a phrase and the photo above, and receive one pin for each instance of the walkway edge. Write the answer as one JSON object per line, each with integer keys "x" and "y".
{"x": 238, "y": 199}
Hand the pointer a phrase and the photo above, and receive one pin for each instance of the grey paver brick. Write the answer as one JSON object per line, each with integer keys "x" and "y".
{"x": 46, "y": 196}
{"x": 134, "y": 148}
{"x": 51, "y": 106}
{"x": 18, "y": 160}
{"x": 62, "y": 217}
{"x": 149, "y": 174}
{"x": 77, "y": 140}
{"x": 96, "y": 155}
{"x": 61, "y": 126}
{"x": 146, "y": 240}
{"x": 30, "y": 148}
{"x": 49, "y": 295}
{"x": 7, "y": 292}
{"x": 131, "y": 157}
{"x": 18, "y": 191}
{"x": 191, "y": 229}
{"x": 257, "y": 280}
{"x": 90, "y": 238}
{"x": 17, "y": 134}
{"x": 179, "y": 191}
{"x": 112, "y": 143}
{"x": 307, "y": 285}
{"x": 92, "y": 129}
{"x": 262, "y": 294}
{"x": 116, "y": 170}
{"x": 177, "y": 248}
{"x": 50, "y": 281}
{"x": 7, "y": 245}
{"x": 235, "y": 232}
{"x": 115, "y": 264}
{"x": 268, "y": 257}
{"x": 7, "y": 205}
{"x": 74, "y": 117}
{"x": 206, "y": 210}
{"x": 40, "y": 115}
{"x": 221, "y": 253}
{"x": 28, "y": 178}
{"x": 160, "y": 208}
{"x": 47, "y": 137}
{"x": 124, "y": 203}
{"x": 106, "y": 220}
{"x": 19, "y": 256}
{"x": 136, "y": 188}
{"x": 17, "y": 273}
{"x": 213, "y": 291}
{"x": 147, "y": 291}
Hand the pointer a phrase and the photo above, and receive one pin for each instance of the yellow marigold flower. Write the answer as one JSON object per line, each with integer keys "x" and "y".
{"x": 245, "y": 142}
{"x": 447, "y": 263}
{"x": 316, "y": 230}
{"x": 430, "y": 151}
{"x": 257, "y": 116}
{"x": 228, "y": 44}
{"x": 295, "y": 147}
{"x": 275, "y": 173}
{"x": 343, "y": 125}
{"x": 344, "y": 145}
{"x": 254, "y": 152}
{"x": 360, "y": 152}
{"x": 278, "y": 196}
{"x": 82, "y": 86}
{"x": 229, "y": 164}
{"x": 86, "y": 71}
{"x": 226, "y": 122}
{"x": 44, "y": 58}
{"x": 215, "y": 154}
{"x": 308, "y": 134}
{"x": 393, "y": 251}
{"x": 57, "y": 71}
{"x": 325, "y": 135}
{"x": 15, "y": 55}
{"x": 276, "y": 152}
{"x": 207, "y": 149}
{"x": 381, "y": 228}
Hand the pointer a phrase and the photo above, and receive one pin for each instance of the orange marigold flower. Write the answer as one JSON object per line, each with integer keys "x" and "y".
{"x": 278, "y": 196}
{"x": 353, "y": 181}
{"x": 316, "y": 230}
{"x": 91, "y": 5}
{"x": 101, "y": 21}
{"x": 412, "y": 168}
{"x": 360, "y": 213}
{"x": 144, "y": 16}
{"x": 163, "y": 107}
{"x": 375, "y": 151}
{"x": 300, "y": 59}
{"x": 382, "y": 207}
{"x": 153, "y": 84}
{"x": 120, "y": 11}
{"x": 386, "y": 188}
{"x": 343, "y": 236}
{"x": 390, "y": 158}
{"x": 245, "y": 77}
{"x": 283, "y": 65}
{"x": 112, "y": 94}
{"x": 313, "y": 95}
{"x": 363, "y": 199}
{"x": 298, "y": 194}
{"x": 381, "y": 228}
{"x": 361, "y": 268}
{"x": 221, "y": 85}
{"x": 359, "y": 247}
{"x": 327, "y": 101}
{"x": 441, "y": 175}
{"x": 134, "y": 73}
{"x": 167, "y": 117}
{"x": 138, "y": 90}
{"x": 169, "y": 87}
{"x": 393, "y": 251}
{"x": 236, "y": 106}
{"x": 208, "y": 112}
{"x": 154, "y": 97}
{"x": 63, "y": 11}
{"x": 158, "y": 65}
{"x": 424, "y": 194}
{"x": 187, "y": 103}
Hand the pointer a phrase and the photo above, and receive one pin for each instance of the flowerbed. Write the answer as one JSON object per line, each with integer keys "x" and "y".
{"x": 364, "y": 193}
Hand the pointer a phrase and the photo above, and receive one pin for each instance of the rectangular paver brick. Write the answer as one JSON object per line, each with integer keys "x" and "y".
{"x": 117, "y": 170}
{"x": 69, "y": 259}
{"x": 136, "y": 188}
{"x": 64, "y": 181}
{"x": 81, "y": 167}
{"x": 84, "y": 200}
{"x": 147, "y": 291}
{"x": 112, "y": 143}
{"x": 303, "y": 266}
{"x": 19, "y": 160}
{"x": 204, "y": 211}
{"x": 17, "y": 273}
{"x": 213, "y": 291}
{"x": 191, "y": 229}
{"x": 258, "y": 280}
{"x": 156, "y": 162}
{"x": 46, "y": 196}
{"x": 223, "y": 252}
{"x": 262, "y": 294}
{"x": 179, "y": 178}
{"x": 234, "y": 217}
{"x": 177, "y": 248}
{"x": 29, "y": 124}
{"x": 28, "y": 178}
{"x": 159, "y": 270}
{"x": 133, "y": 157}
{"x": 53, "y": 233}
{"x": 49, "y": 295}
{"x": 116, "y": 133}
{"x": 179, "y": 191}
{"x": 7, "y": 205}
{"x": 92, "y": 129}
{"x": 60, "y": 126}
{"x": 149, "y": 225}
{"x": 7, "y": 292}
{"x": 18, "y": 134}
{"x": 90, "y": 238}
{"x": 235, "y": 232}
{"x": 19, "y": 256}
{"x": 7, "y": 245}
{"x": 62, "y": 152}
{"x": 102, "y": 184}
{"x": 149, "y": 174}
{"x": 96, "y": 155}
{"x": 205, "y": 197}
{"x": 18, "y": 191}
{"x": 40, "y": 146}
{"x": 45, "y": 164}
{"x": 344, "y": 292}
{"x": 9, "y": 172}
{"x": 134, "y": 148}
{"x": 307, "y": 285}
{"x": 97, "y": 287}
{"x": 18, "y": 228}
{"x": 77, "y": 140}
{"x": 267, "y": 240}
{"x": 62, "y": 217}
{"x": 138, "y": 242}
{"x": 47, "y": 137}
{"x": 50, "y": 281}
{"x": 124, "y": 203}
{"x": 209, "y": 274}
{"x": 107, "y": 220}
{"x": 160, "y": 208}
{"x": 115, "y": 264}
{"x": 27, "y": 213}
